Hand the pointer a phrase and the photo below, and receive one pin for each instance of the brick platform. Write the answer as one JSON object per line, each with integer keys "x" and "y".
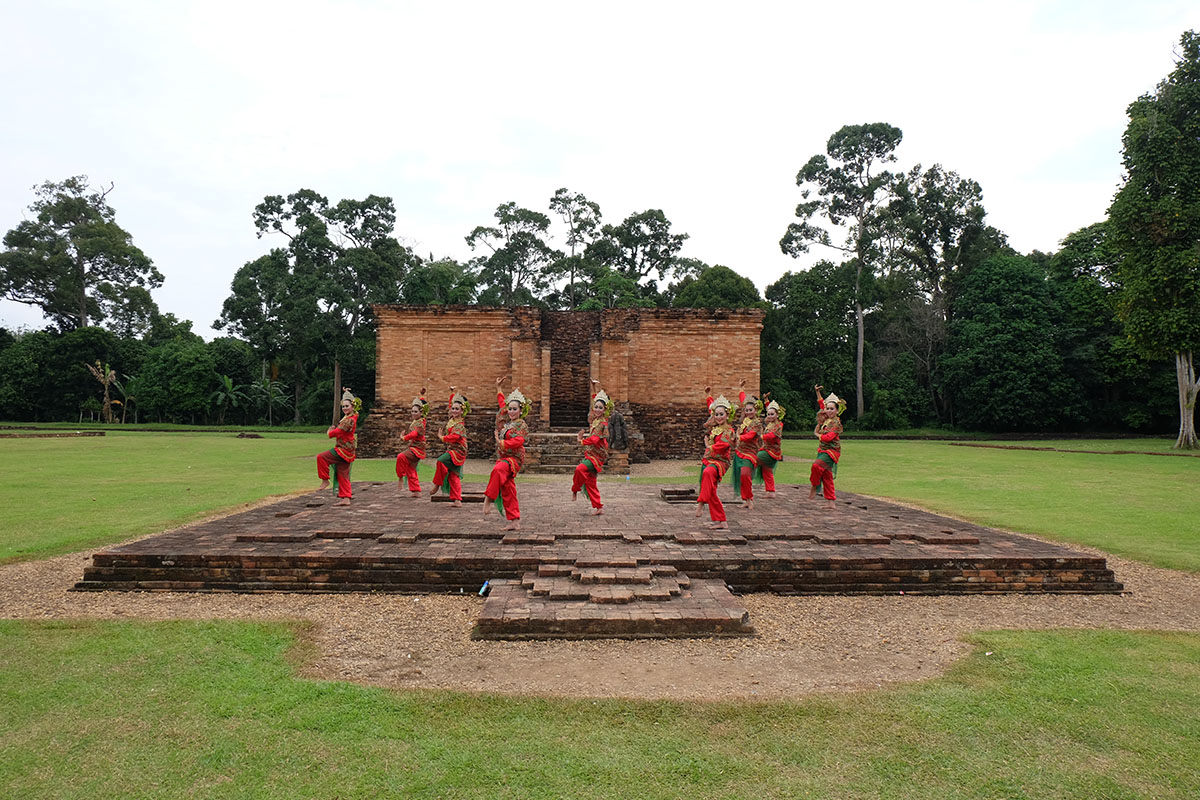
{"x": 583, "y": 568}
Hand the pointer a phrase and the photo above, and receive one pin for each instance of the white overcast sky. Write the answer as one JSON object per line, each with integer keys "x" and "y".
{"x": 196, "y": 111}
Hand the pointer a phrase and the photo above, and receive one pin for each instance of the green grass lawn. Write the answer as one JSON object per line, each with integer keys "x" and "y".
{"x": 190, "y": 709}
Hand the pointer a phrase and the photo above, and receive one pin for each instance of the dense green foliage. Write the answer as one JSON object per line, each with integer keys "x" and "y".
{"x": 1155, "y": 227}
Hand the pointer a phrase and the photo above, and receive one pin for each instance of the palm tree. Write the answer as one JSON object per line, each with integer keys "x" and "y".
{"x": 130, "y": 389}
{"x": 228, "y": 394}
{"x": 271, "y": 393}
{"x": 107, "y": 377}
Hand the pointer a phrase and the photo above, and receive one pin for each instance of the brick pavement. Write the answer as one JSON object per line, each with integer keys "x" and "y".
{"x": 566, "y": 573}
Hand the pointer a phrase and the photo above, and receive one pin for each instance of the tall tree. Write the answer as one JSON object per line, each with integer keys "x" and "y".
{"x": 852, "y": 192}
{"x": 939, "y": 223}
{"x": 516, "y": 271}
{"x": 1155, "y": 226}
{"x": 74, "y": 261}
{"x": 582, "y": 218}
{"x": 349, "y": 255}
{"x": 641, "y": 244}
{"x": 718, "y": 287}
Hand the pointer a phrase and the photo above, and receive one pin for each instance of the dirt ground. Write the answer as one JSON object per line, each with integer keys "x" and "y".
{"x": 804, "y": 644}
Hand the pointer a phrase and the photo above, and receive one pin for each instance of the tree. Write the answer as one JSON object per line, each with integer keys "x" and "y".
{"x": 343, "y": 258}
{"x": 608, "y": 288}
{"x": 436, "y": 283}
{"x": 641, "y": 244}
{"x": 718, "y": 287}
{"x": 850, "y": 192}
{"x": 74, "y": 261}
{"x": 227, "y": 395}
{"x": 937, "y": 218}
{"x": 1004, "y": 363}
{"x": 516, "y": 271}
{"x": 582, "y": 218}
{"x": 1155, "y": 226}
{"x": 178, "y": 378}
{"x": 808, "y": 337}
{"x": 270, "y": 393}
{"x": 107, "y": 376}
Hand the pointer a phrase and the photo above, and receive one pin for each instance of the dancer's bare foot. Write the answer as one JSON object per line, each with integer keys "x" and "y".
{"x": 812, "y": 492}
{"x": 597, "y": 511}
{"x": 770, "y": 495}
{"x": 434, "y": 489}
{"x": 746, "y": 504}
{"x": 345, "y": 501}
{"x": 698, "y": 507}
{"x": 719, "y": 526}
{"x": 831, "y": 505}
{"x": 514, "y": 525}
{"x": 324, "y": 485}
{"x": 457, "y": 503}
{"x": 487, "y": 507}
{"x": 415, "y": 494}
{"x": 574, "y": 496}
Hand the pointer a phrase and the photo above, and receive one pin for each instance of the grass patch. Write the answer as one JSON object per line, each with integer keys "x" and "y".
{"x": 1141, "y": 507}
{"x": 190, "y": 709}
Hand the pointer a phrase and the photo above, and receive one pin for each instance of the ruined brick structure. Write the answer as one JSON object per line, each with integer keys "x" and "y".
{"x": 654, "y": 363}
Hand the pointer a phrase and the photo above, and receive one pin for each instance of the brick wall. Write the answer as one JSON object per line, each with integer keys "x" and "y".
{"x": 654, "y": 363}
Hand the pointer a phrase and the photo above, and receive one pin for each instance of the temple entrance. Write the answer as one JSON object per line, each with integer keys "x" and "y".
{"x": 569, "y": 335}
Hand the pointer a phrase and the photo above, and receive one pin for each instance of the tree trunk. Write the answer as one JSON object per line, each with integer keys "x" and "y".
{"x": 858, "y": 361}
{"x": 1189, "y": 387}
{"x": 337, "y": 391}
{"x": 81, "y": 272}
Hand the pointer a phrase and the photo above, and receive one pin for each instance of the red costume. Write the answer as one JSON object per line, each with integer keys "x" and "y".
{"x": 406, "y": 462}
{"x": 595, "y": 453}
{"x": 447, "y": 475}
{"x": 502, "y": 485}
{"x": 824, "y": 468}
{"x": 772, "y": 452}
{"x": 718, "y": 441}
{"x": 749, "y": 441}
{"x": 343, "y": 452}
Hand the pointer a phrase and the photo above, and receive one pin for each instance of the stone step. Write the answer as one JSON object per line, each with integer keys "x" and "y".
{"x": 558, "y": 607}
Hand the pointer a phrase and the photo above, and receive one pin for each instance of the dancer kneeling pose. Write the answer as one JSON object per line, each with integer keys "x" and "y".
{"x": 772, "y": 452}
{"x": 718, "y": 440}
{"x": 447, "y": 475}
{"x": 828, "y": 430}
{"x": 511, "y": 431}
{"x": 406, "y": 462}
{"x": 595, "y": 450}
{"x": 342, "y": 454}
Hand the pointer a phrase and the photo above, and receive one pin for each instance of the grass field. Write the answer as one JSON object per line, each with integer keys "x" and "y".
{"x": 183, "y": 709}
{"x": 214, "y": 710}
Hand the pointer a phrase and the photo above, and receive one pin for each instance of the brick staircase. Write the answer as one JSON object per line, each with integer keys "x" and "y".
{"x": 557, "y": 452}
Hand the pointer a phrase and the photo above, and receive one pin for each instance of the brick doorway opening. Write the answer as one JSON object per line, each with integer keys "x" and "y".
{"x": 569, "y": 335}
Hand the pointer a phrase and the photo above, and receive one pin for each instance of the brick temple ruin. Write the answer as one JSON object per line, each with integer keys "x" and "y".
{"x": 654, "y": 364}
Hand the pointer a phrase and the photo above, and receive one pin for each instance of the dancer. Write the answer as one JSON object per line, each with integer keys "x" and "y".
{"x": 718, "y": 440}
{"x": 447, "y": 475}
{"x": 595, "y": 450}
{"x": 341, "y": 456}
{"x": 772, "y": 452}
{"x": 406, "y": 462}
{"x": 828, "y": 430}
{"x": 749, "y": 440}
{"x": 511, "y": 431}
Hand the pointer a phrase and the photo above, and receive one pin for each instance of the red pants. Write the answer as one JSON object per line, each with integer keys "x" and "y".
{"x": 708, "y": 493}
{"x": 440, "y": 473}
{"x": 342, "y": 468}
{"x": 501, "y": 483}
{"x": 407, "y": 468}
{"x": 586, "y": 479}
{"x": 768, "y": 479}
{"x": 746, "y": 476}
{"x": 821, "y": 476}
